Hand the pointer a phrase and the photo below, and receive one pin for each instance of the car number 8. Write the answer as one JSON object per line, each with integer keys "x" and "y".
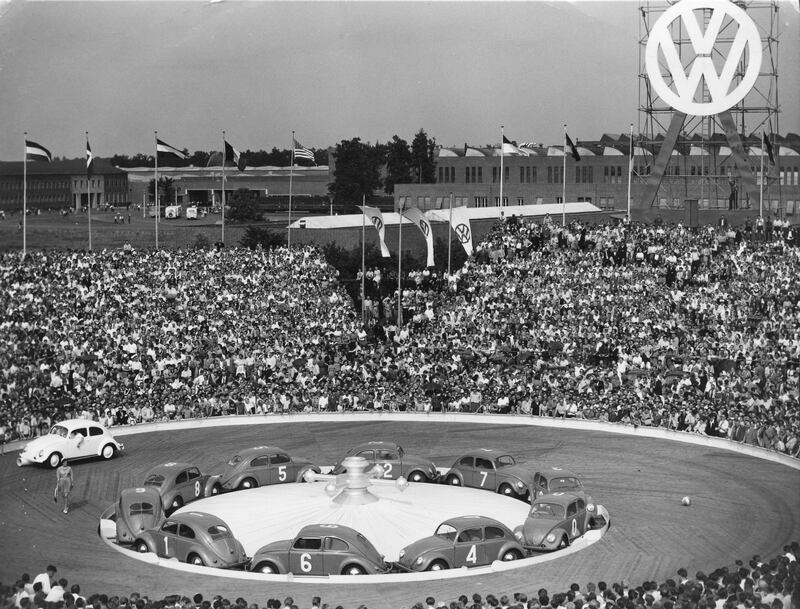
{"x": 197, "y": 489}
{"x": 282, "y": 473}
{"x": 305, "y": 562}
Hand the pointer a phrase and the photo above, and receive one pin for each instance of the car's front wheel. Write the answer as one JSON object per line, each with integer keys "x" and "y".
{"x": 216, "y": 489}
{"x": 54, "y": 460}
{"x": 505, "y": 489}
{"x": 195, "y": 559}
{"x": 563, "y": 543}
{"x": 417, "y": 477}
{"x": 267, "y": 568}
{"x": 353, "y": 570}
{"x": 141, "y": 547}
{"x": 108, "y": 451}
{"x": 176, "y": 503}
{"x": 511, "y": 555}
{"x": 437, "y": 565}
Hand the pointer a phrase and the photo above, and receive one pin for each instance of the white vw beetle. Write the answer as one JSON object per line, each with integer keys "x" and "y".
{"x": 71, "y": 439}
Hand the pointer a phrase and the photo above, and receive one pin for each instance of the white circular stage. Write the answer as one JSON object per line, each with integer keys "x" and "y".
{"x": 262, "y": 515}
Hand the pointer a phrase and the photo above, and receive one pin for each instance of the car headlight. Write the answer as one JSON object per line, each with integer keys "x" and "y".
{"x": 590, "y": 507}
{"x": 518, "y": 535}
{"x": 551, "y": 538}
{"x": 418, "y": 561}
{"x": 41, "y": 453}
{"x": 520, "y": 483}
{"x": 402, "y": 553}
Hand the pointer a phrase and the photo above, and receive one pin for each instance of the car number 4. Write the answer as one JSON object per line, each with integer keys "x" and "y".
{"x": 472, "y": 554}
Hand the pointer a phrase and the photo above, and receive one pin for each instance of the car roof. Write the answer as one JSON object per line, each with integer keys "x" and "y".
{"x": 170, "y": 468}
{"x": 375, "y": 444}
{"x": 460, "y": 522}
{"x": 130, "y": 494}
{"x": 558, "y": 498}
{"x": 260, "y": 450}
{"x": 71, "y": 424}
{"x": 557, "y": 472}
{"x": 202, "y": 519}
{"x": 324, "y": 530}
{"x": 487, "y": 452}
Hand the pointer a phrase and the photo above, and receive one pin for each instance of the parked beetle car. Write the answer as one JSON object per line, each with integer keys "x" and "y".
{"x": 138, "y": 509}
{"x": 263, "y": 465}
{"x": 555, "y": 521}
{"x": 468, "y": 541}
{"x": 180, "y": 483}
{"x": 321, "y": 549}
{"x": 494, "y": 470}
{"x": 72, "y": 439}
{"x": 394, "y": 460}
{"x": 196, "y": 538}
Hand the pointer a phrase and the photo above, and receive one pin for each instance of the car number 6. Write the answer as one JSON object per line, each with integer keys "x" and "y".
{"x": 282, "y": 473}
{"x": 197, "y": 489}
{"x": 305, "y": 562}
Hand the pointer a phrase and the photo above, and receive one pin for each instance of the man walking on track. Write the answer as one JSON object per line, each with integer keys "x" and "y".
{"x": 63, "y": 484}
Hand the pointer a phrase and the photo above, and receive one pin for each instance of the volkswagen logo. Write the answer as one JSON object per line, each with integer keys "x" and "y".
{"x": 462, "y": 230}
{"x": 742, "y": 46}
{"x": 424, "y": 227}
{"x": 377, "y": 222}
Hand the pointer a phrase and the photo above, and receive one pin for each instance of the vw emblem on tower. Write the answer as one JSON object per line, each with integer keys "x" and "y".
{"x": 462, "y": 230}
{"x": 728, "y": 80}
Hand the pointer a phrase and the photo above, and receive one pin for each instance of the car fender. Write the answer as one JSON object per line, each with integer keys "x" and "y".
{"x": 511, "y": 545}
{"x": 306, "y": 468}
{"x": 453, "y": 472}
{"x": 210, "y": 482}
{"x": 367, "y": 566}
{"x": 279, "y": 561}
{"x": 430, "y": 557}
{"x": 148, "y": 540}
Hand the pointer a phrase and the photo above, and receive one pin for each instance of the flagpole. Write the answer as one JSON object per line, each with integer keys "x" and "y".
{"x": 89, "y": 191}
{"x": 761, "y": 182}
{"x": 25, "y": 195}
{"x": 155, "y": 187}
{"x": 502, "y": 156}
{"x": 363, "y": 269}
{"x": 400, "y": 267}
{"x": 223, "y": 186}
{"x": 564, "y": 182}
{"x": 630, "y": 171}
{"x": 450, "y": 237}
{"x": 291, "y": 176}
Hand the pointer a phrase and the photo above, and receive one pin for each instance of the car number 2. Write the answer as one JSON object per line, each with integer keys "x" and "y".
{"x": 574, "y": 527}
{"x": 282, "y": 473}
{"x": 472, "y": 555}
{"x": 387, "y": 470}
{"x": 197, "y": 489}
{"x": 305, "y": 562}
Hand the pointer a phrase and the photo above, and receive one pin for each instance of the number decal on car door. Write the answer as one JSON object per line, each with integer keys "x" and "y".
{"x": 166, "y": 546}
{"x": 472, "y": 555}
{"x": 574, "y": 527}
{"x": 197, "y": 489}
{"x": 305, "y": 562}
{"x": 387, "y": 470}
{"x": 282, "y": 473}
{"x": 484, "y": 475}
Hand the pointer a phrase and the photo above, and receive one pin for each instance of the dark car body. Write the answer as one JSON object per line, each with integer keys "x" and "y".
{"x": 180, "y": 483}
{"x": 556, "y": 480}
{"x": 320, "y": 549}
{"x": 261, "y": 466}
{"x": 394, "y": 461}
{"x": 196, "y": 538}
{"x": 468, "y": 541}
{"x": 493, "y": 470}
{"x": 138, "y": 509}
{"x": 556, "y": 520}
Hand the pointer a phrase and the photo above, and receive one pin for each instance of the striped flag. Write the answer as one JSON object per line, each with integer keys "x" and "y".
{"x": 37, "y": 152}
{"x": 572, "y": 148}
{"x": 164, "y": 148}
{"x": 235, "y": 156}
{"x": 303, "y": 153}
{"x": 510, "y": 147}
{"x": 89, "y": 157}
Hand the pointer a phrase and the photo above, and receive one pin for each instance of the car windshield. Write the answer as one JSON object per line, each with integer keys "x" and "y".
{"x": 446, "y": 531}
{"x": 505, "y": 461}
{"x": 59, "y": 430}
{"x": 236, "y": 459}
{"x": 564, "y": 484}
{"x": 217, "y": 530}
{"x": 154, "y": 480}
{"x": 547, "y": 510}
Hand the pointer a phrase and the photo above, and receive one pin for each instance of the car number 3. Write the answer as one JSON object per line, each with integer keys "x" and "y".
{"x": 472, "y": 555}
{"x": 305, "y": 562}
{"x": 282, "y": 473}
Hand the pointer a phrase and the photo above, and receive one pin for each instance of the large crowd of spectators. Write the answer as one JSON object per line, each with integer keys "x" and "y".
{"x": 692, "y": 330}
{"x": 756, "y": 584}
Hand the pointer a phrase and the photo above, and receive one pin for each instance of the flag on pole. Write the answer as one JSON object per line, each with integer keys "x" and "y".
{"x": 510, "y": 147}
{"x": 459, "y": 223}
{"x": 37, "y": 152}
{"x": 89, "y": 157}
{"x": 300, "y": 152}
{"x": 572, "y": 148}
{"x": 417, "y": 217}
{"x": 770, "y": 153}
{"x": 164, "y": 148}
{"x": 234, "y": 155}
{"x": 376, "y": 217}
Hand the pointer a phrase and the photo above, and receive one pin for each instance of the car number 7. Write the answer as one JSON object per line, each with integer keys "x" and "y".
{"x": 483, "y": 477}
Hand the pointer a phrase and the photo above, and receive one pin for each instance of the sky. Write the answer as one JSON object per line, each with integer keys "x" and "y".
{"x": 329, "y": 71}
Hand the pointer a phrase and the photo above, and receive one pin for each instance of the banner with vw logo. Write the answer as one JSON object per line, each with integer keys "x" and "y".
{"x": 375, "y": 216}
{"x": 726, "y": 56}
{"x": 417, "y": 217}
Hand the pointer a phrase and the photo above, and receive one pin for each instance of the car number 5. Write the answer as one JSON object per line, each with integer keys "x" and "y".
{"x": 472, "y": 555}
{"x": 282, "y": 473}
{"x": 305, "y": 562}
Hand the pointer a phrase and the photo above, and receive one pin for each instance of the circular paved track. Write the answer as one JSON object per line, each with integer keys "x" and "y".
{"x": 741, "y": 506}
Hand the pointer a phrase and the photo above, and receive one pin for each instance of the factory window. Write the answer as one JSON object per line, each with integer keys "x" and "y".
{"x": 466, "y": 175}
{"x": 480, "y": 175}
{"x": 452, "y": 174}
{"x": 494, "y": 175}
{"x": 521, "y": 175}
{"x": 506, "y": 174}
